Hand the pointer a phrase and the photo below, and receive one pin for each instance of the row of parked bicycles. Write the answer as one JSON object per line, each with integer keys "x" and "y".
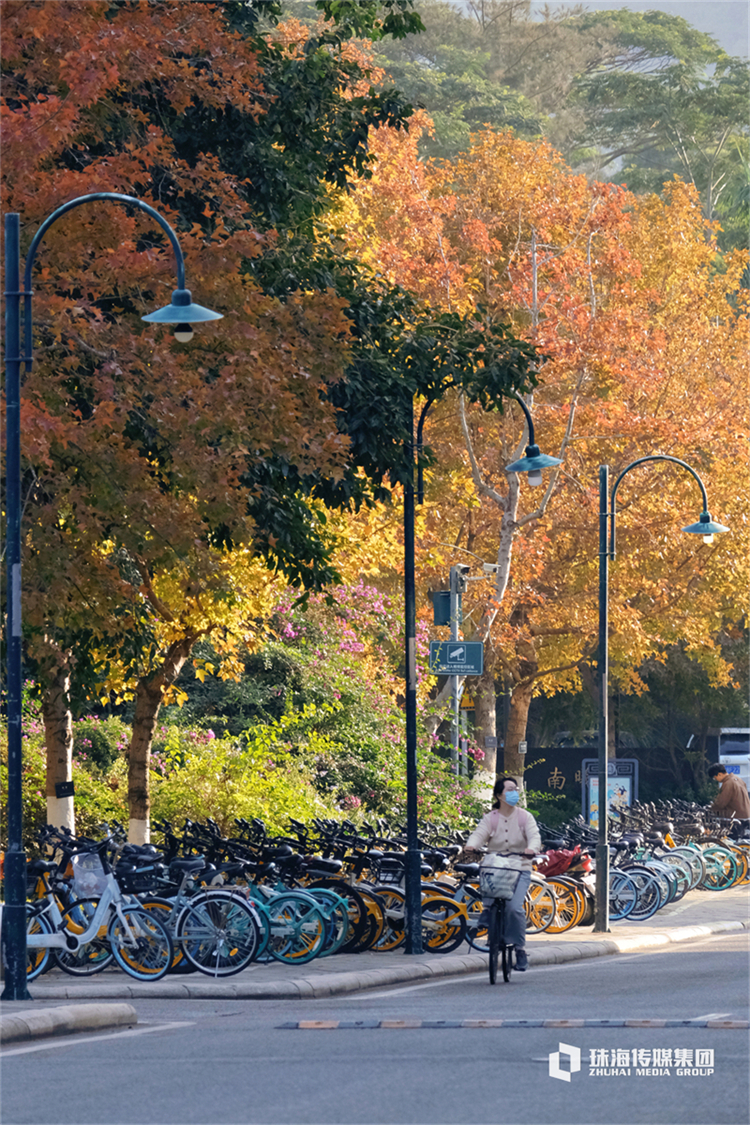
{"x": 200, "y": 901}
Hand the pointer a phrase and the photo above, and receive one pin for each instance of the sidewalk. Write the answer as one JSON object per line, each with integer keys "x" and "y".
{"x": 698, "y": 915}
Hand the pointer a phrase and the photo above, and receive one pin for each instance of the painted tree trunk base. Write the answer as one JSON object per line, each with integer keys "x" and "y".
{"x": 482, "y": 785}
{"x": 138, "y": 831}
{"x": 61, "y": 813}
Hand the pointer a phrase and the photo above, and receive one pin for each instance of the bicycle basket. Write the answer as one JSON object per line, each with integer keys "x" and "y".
{"x": 498, "y": 882}
{"x": 89, "y": 878}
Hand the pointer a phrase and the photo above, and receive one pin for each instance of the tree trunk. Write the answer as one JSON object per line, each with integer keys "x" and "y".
{"x": 149, "y": 695}
{"x": 485, "y": 726}
{"x": 58, "y": 737}
{"x": 520, "y": 701}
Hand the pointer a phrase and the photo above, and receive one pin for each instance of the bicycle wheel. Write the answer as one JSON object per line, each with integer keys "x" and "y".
{"x": 493, "y": 940}
{"x": 443, "y": 924}
{"x": 94, "y": 955}
{"x": 650, "y": 897}
{"x": 336, "y": 911}
{"x": 721, "y": 869}
{"x": 540, "y": 906}
{"x": 570, "y": 905}
{"x": 358, "y": 923}
{"x": 394, "y": 934}
{"x": 374, "y": 922}
{"x": 682, "y": 870}
{"x": 37, "y": 956}
{"x": 507, "y": 951}
{"x": 298, "y": 928}
{"x": 165, "y": 911}
{"x": 742, "y": 860}
{"x": 142, "y": 944}
{"x": 694, "y": 859}
{"x": 623, "y": 894}
{"x": 218, "y": 933}
{"x": 476, "y": 936}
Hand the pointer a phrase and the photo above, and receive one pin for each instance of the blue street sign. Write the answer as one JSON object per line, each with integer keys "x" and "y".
{"x": 457, "y": 658}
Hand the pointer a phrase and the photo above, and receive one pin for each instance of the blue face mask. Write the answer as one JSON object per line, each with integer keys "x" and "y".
{"x": 512, "y": 797}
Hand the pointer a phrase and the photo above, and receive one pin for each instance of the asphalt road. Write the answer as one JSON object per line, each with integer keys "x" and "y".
{"x": 232, "y": 1062}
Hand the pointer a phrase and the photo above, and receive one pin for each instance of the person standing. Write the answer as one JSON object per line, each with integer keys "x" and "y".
{"x": 733, "y": 799}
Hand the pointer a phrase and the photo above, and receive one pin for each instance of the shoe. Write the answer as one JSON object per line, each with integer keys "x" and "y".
{"x": 522, "y": 961}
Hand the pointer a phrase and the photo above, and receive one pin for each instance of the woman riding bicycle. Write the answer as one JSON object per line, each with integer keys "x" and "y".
{"x": 503, "y": 831}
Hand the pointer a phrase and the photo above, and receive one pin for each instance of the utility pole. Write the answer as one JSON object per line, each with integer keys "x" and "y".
{"x": 458, "y": 582}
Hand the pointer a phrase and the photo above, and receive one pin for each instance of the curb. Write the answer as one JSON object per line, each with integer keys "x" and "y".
{"x": 322, "y": 985}
{"x": 42, "y": 1022}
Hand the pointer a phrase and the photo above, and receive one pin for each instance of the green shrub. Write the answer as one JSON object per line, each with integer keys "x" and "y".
{"x": 552, "y": 809}
{"x": 98, "y": 743}
{"x": 228, "y": 778}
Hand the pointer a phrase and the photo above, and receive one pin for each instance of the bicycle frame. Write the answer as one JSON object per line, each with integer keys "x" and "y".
{"x": 111, "y": 900}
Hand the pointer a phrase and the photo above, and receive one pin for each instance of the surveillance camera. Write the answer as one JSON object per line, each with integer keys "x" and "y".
{"x": 463, "y": 567}
{"x": 489, "y": 568}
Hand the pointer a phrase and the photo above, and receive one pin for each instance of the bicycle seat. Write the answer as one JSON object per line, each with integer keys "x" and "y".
{"x": 187, "y": 866}
{"x": 282, "y": 852}
{"x": 40, "y": 867}
{"x": 467, "y": 868}
{"x": 315, "y": 863}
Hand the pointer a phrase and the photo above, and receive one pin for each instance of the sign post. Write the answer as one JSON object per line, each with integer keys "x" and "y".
{"x": 457, "y": 658}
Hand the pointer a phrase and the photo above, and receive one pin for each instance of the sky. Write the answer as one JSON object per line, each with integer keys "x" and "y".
{"x": 726, "y": 20}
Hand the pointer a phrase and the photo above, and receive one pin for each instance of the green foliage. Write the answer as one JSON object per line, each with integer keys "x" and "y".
{"x": 449, "y": 69}
{"x": 97, "y": 743}
{"x": 255, "y": 776}
{"x": 552, "y": 809}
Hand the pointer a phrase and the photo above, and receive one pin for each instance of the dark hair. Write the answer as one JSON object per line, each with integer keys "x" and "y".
{"x": 499, "y": 789}
{"x": 716, "y": 769}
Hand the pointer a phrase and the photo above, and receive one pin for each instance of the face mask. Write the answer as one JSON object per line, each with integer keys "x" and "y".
{"x": 512, "y": 797}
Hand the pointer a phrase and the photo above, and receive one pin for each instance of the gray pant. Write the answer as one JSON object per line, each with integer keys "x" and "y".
{"x": 515, "y": 915}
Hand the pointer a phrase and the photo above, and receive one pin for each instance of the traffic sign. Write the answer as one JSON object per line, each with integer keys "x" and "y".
{"x": 457, "y": 658}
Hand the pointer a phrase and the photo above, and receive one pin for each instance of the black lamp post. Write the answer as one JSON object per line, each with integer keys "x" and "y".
{"x": 181, "y": 312}
{"x": 705, "y": 527}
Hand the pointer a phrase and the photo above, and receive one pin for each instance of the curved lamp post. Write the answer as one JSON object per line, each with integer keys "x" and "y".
{"x": 705, "y": 527}
{"x": 533, "y": 460}
{"x": 181, "y": 312}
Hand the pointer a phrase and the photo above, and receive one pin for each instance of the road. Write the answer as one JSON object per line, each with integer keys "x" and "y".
{"x": 233, "y": 1062}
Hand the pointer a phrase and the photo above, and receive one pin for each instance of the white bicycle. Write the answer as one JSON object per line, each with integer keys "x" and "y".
{"x": 109, "y": 922}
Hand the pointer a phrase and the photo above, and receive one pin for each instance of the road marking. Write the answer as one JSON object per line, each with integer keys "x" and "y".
{"x": 474, "y": 1024}
{"x": 714, "y": 1016}
{"x": 74, "y": 1040}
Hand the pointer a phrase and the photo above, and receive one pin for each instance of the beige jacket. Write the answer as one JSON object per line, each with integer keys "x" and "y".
{"x": 515, "y": 833}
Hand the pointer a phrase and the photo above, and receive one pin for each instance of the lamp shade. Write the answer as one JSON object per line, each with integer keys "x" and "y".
{"x": 533, "y": 461}
{"x": 182, "y": 311}
{"x": 705, "y": 526}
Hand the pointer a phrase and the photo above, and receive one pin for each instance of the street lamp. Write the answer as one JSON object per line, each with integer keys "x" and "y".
{"x": 182, "y": 312}
{"x": 533, "y": 460}
{"x": 705, "y": 527}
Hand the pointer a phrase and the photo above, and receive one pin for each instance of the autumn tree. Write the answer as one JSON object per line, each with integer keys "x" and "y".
{"x": 137, "y": 452}
{"x": 155, "y": 477}
{"x": 629, "y": 96}
{"x": 622, "y": 297}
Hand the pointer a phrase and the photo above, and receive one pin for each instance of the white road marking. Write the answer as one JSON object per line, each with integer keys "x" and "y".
{"x": 74, "y": 1040}
{"x": 713, "y": 1016}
